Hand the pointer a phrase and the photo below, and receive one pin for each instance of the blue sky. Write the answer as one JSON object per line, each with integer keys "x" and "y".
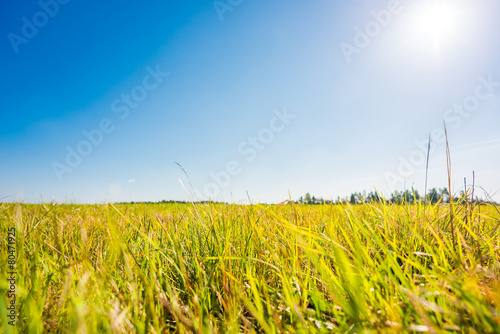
{"x": 264, "y": 97}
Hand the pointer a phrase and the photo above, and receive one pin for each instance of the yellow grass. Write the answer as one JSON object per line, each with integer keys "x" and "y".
{"x": 203, "y": 268}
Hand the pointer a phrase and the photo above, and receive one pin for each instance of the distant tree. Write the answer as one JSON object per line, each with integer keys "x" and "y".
{"x": 356, "y": 198}
{"x": 433, "y": 196}
{"x": 373, "y": 197}
{"x": 395, "y": 197}
{"x": 416, "y": 195}
{"x": 308, "y": 199}
{"x": 409, "y": 196}
{"x": 353, "y": 199}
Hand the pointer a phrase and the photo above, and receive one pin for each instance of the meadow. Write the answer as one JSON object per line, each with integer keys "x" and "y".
{"x": 222, "y": 268}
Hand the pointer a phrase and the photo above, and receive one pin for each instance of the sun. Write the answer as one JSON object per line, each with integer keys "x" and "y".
{"x": 437, "y": 23}
{"x": 437, "y": 19}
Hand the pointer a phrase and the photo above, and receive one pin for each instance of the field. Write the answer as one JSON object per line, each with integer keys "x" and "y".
{"x": 204, "y": 268}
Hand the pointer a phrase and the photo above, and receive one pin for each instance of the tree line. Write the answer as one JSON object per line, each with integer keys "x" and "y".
{"x": 397, "y": 197}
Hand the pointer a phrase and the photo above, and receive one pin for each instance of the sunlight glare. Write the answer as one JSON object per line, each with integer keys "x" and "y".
{"x": 437, "y": 19}
{"x": 437, "y": 25}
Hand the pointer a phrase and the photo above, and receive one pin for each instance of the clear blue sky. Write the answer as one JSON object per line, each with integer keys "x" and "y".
{"x": 355, "y": 85}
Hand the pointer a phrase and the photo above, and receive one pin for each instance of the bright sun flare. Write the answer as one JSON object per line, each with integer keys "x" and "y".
{"x": 437, "y": 22}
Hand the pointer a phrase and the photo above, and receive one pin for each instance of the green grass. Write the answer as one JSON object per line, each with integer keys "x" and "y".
{"x": 207, "y": 268}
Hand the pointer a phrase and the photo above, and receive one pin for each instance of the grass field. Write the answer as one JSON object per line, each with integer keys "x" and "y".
{"x": 203, "y": 268}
